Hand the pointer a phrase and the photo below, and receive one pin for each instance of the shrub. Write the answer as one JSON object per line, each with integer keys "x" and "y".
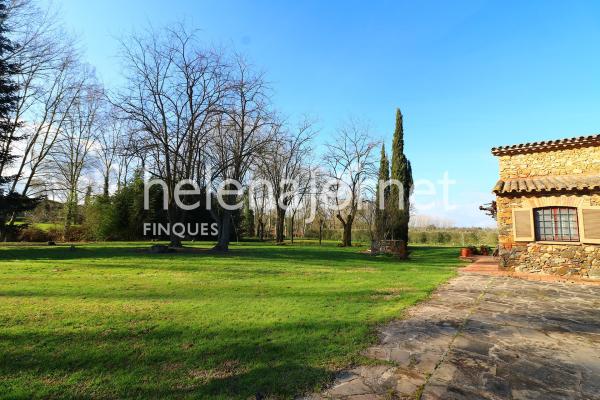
{"x": 443, "y": 237}
{"x": 358, "y": 235}
{"x": 472, "y": 237}
{"x": 101, "y": 220}
{"x": 75, "y": 234}
{"x": 474, "y": 250}
{"x": 55, "y": 234}
{"x": 453, "y": 236}
{"x": 33, "y": 234}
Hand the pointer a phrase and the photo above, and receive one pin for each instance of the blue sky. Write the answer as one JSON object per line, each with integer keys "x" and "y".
{"x": 467, "y": 75}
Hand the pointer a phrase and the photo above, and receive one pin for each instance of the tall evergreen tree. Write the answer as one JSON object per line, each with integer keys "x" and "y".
{"x": 382, "y": 197}
{"x": 9, "y": 95}
{"x": 10, "y": 202}
{"x": 400, "y": 197}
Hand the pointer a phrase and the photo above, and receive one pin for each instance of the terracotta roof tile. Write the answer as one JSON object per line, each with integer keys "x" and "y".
{"x": 582, "y": 141}
{"x": 541, "y": 184}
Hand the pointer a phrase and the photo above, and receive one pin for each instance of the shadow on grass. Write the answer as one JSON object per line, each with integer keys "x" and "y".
{"x": 228, "y": 363}
{"x": 215, "y": 293}
{"x": 280, "y": 360}
{"x": 120, "y": 357}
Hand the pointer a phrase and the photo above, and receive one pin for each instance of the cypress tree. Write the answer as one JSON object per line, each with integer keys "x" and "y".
{"x": 381, "y": 217}
{"x": 400, "y": 197}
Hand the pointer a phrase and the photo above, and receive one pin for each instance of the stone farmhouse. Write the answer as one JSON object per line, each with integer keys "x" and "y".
{"x": 548, "y": 207}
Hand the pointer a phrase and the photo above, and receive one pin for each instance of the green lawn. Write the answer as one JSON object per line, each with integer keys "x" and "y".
{"x": 111, "y": 321}
{"x": 45, "y": 226}
{"x": 48, "y": 226}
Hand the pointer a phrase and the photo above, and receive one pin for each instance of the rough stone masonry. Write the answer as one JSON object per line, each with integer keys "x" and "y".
{"x": 554, "y": 175}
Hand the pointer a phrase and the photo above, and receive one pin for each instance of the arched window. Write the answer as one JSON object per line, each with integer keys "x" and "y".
{"x": 556, "y": 224}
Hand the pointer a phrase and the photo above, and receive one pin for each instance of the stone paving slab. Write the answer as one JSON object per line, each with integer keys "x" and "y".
{"x": 486, "y": 337}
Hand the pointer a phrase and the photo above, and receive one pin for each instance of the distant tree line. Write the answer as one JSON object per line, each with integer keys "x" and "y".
{"x": 454, "y": 236}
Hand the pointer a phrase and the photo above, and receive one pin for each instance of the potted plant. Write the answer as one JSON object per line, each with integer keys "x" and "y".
{"x": 466, "y": 252}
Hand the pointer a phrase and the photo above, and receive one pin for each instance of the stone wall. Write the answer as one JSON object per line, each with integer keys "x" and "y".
{"x": 585, "y": 160}
{"x": 564, "y": 259}
{"x": 560, "y": 259}
{"x": 507, "y": 203}
{"x": 504, "y": 219}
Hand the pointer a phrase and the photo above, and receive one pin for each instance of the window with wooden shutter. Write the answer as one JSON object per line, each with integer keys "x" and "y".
{"x": 523, "y": 225}
{"x": 590, "y": 224}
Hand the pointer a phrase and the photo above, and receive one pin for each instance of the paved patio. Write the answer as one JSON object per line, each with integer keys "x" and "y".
{"x": 484, "y": 336}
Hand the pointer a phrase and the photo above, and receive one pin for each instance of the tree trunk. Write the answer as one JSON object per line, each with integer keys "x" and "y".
{"x": 347, "y": 237}
{"x": 261, "y": 229}
{"x": 279, "y": 225}
{"x": 320, "y": 231}
{"x": 347, "y": 226}
{"x": 105, "y": 189}
{"x": 347, "y": 229}
{"x": 292, "y": 228}
{"x": 174, "y": 240}
{"x": 71, "y": 210}
{"x": 223, "y": 239}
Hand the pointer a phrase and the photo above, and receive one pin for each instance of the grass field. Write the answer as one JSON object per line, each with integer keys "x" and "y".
{"x": 45, "y": 226}
{"x": 112, "y": 321}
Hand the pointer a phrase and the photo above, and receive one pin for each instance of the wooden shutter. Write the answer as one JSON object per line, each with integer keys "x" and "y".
{"x": 589, "y": 224}
{"x": 523, "y": 225}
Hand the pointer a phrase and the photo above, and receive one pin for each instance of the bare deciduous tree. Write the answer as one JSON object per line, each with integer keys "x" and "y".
{"x": 350, "y": 162}
{"x": 111, "y": 130}
{"x": 282, "y": 166}
{"x": 69, "y": 158}
{"x": 47, "y": 121}
{"x": 301, "y": 200}
{"x": 48, "y": 80}
{"x": 261, "y": 197}
{"x": 243, "y": 131}
{"x": 175, "y": 90}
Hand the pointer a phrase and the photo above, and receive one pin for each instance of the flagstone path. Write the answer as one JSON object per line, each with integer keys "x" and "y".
{"x": 486, "y": 337}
